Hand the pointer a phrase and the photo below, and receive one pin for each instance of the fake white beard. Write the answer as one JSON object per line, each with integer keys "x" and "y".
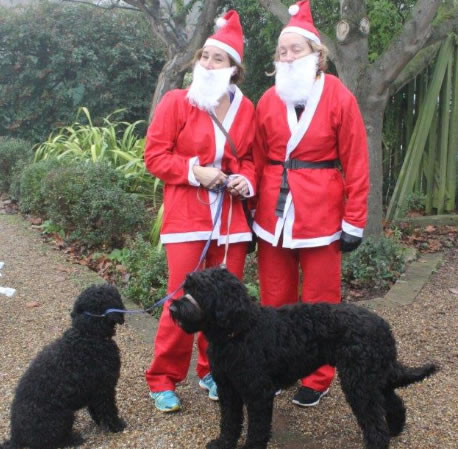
{"x": 208, "y": 86}
{"x": 294, "y": 80}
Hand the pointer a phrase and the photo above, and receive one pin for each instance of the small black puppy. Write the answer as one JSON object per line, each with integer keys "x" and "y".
{"x": 80, "y": 369}
{"x": 254, "y": 351}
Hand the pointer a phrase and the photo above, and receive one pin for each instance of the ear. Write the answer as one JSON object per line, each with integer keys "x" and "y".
{"x": 232, "y": 308}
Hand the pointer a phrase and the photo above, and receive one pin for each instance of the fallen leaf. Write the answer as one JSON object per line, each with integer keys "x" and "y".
{"x": 430, "y": 228}
{"x": 35, "y": 220}
{"x": 32, "y": 304}
{"x": 453, "y": 290}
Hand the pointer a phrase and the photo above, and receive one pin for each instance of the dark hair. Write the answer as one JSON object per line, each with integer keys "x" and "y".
{"x": 236, "y": 78}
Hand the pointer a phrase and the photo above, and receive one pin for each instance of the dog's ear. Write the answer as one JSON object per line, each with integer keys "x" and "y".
{"x": 233, "y": 307}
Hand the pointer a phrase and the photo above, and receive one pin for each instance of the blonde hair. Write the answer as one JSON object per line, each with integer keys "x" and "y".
{"x": 321, "y": 49}
{"x": 236, "y": 78}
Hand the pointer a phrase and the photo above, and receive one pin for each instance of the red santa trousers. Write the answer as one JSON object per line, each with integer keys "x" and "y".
{"x": 173, "y": 346}
{"x": 279, "y": 284}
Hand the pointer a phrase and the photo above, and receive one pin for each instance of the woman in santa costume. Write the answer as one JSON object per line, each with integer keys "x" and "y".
{"x": 312, "y": 163}
{"x": 188, "y": 151}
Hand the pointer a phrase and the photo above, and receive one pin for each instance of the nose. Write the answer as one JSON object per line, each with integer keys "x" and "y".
{"x": 208, "y": 64}
{"x": 289, "y": 57}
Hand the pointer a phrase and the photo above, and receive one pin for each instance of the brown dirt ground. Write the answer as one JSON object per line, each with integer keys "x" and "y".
{"x": 47, "y": 283}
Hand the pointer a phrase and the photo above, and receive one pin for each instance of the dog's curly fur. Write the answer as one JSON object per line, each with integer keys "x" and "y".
{"x": 254, "y": 351}
{"x": 80, "y": 369}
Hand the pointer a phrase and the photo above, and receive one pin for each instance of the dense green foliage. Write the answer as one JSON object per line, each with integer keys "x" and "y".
{"x": 376, "y": 263}
{"x": 89, "y": 203}
{"x": 28, "y": 187}
{"x": 86, "y": 200}
{"x": 147, "y": 268}
{"x": 56, "y": 57}
{"x": 115, "y": 143}
{"x": 12, "y": 152}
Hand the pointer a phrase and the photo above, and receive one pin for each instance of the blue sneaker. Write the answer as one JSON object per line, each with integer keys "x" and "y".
{"x": 207, "y": 383}
{"x": 166, "y": 401}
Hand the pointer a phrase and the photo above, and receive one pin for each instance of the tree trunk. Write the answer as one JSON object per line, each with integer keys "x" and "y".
{"x": 171, "y": 77}
{"x": 373, "y": 109}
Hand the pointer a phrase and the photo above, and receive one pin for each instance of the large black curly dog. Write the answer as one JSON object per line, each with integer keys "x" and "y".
{"x": 254, "y": 351}
{"x": 80, "y": 369}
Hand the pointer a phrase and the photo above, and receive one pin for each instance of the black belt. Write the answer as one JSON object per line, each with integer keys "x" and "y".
{"x": 295, "y": 164}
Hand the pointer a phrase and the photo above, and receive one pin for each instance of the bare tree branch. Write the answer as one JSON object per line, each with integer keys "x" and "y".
{"x": 204, "y": 24}
{"x": 417, "y": 31}
{"x": 444, "y": 27}
{"x": 277, "y": 8}
{"x": 96, "y": 5}
{"x": 421, "y": 60}
{"x": 160, "y": 30}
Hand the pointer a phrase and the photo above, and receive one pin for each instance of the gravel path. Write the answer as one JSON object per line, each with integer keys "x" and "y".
{"x": 47, "y": 284}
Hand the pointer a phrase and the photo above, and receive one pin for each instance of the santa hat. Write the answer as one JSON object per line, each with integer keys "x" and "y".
{"x": 301, "y": 22}
{"x": 228, "y": 36}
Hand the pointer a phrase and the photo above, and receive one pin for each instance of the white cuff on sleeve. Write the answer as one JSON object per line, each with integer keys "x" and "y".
{"x": 352, "y": 230}
{"x": 191, "y": 178}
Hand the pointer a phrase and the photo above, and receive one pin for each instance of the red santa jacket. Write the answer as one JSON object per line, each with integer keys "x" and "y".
{"x": 180, "y": 136}
{"x": 321, "y": 202}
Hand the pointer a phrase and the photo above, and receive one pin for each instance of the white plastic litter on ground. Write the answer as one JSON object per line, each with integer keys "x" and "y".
{"x": 7, "y": 291}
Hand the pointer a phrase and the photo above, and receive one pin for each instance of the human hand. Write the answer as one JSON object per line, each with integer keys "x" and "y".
{"x": 238, "y": 185}
{"x": 349, "y": 242}
{"x": 209, "y": 177}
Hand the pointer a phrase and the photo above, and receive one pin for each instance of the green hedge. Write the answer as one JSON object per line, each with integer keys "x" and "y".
{"x": 13, "y": 152}
{"x": 87, "y": 201}
{"x": 56, "y": 57}
{"x": 376, "y": 263}
{"x": 147, "y": 268}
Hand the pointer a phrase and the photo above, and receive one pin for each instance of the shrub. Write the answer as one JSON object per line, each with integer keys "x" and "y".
{"x": 376, "y": 263}
{"x": 114, "y": 143}
{"x": 147, "y": 268}
{"x": 88, "y": 201}
{"x": 12, "y": 153}
{"x": 250, "y": 275}
{"x": 29, "y": 188}
{"x": 56, "y": 57}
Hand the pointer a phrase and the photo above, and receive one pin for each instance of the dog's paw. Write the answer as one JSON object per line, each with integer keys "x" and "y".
{"x": 220, "y": 444}
{"x": 254, "y": 446}
{"x": 116, "y": 425}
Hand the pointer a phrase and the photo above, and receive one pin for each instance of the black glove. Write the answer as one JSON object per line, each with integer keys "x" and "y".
{"x": 349, "y": 242}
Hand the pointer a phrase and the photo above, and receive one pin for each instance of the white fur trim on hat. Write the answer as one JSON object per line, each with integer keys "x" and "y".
{"x": 220, "y": 22}
{"x": 302, "y": 32}
{"x": 228, "y": 49}
{"x": 293, "y": 10}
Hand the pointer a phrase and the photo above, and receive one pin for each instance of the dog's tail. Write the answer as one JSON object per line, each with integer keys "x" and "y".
{"x": 404, "y": 375}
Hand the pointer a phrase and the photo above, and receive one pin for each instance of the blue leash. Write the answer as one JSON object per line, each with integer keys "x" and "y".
{"x": 202, "y": 257}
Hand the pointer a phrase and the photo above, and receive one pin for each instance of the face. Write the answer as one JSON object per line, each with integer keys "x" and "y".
{"x": 214, "y": 58}
{"x": 292, "y": 46}
{"x": 187, "y": 315}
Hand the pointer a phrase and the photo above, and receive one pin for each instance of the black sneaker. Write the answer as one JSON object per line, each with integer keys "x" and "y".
{"x": 307, "y": 397}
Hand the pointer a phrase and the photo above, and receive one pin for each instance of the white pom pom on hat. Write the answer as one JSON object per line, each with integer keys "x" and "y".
{"x": 220, "y": 22}
{"x": 293, "y": 10}
{"x": 228, "y": 36}
{"x": 301, "y": 21}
